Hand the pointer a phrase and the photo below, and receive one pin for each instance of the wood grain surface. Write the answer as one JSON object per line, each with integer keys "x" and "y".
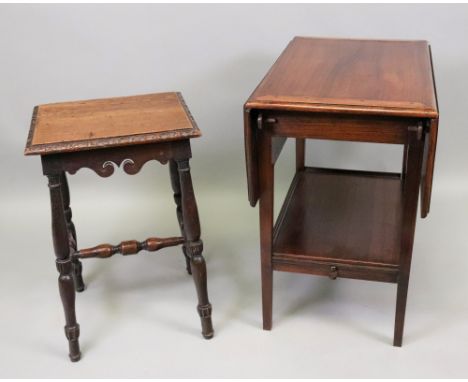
{"x": 74, "y": 126}
{"x": 351, "y": 217}
{"x": 354, "y": 76}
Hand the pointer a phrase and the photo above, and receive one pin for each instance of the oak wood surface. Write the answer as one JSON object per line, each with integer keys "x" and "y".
{"x": 103, "y": 162}
{"x": 129, "y": 158}
{"x": 349, "y": 218}
{"x": 84, "y": 125}
{"x": 103, "y": 135}
{"x": 350, "y": 76}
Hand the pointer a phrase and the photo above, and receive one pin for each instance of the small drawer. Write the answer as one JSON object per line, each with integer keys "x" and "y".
{"x": 343, "y": 127}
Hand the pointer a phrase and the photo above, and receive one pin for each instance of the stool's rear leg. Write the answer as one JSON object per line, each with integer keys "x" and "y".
{"x": 77, "y": 267}
{"x": 177, "y": 198}
{"x": 64, "y": 264}
{"x": 194, "y": 246}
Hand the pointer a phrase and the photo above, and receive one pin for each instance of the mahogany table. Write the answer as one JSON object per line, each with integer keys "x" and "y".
{"x": 101, "y": 135}
{"x": 334, "y": 222}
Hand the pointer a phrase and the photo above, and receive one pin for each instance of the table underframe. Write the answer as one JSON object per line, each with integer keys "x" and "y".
{"x": 317, "y": 230}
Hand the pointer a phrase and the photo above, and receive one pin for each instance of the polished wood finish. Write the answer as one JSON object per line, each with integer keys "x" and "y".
{"x": 351, "y": 217}
{"x": 350, "y": 76}
{"x": 77, "y": 266}
{"x": 300, "y": 154}
{"x": 129, "y": 247}
{"x": 429, "y": 161}
{"x": 252, "y": 125}
{"x": 345, "y": 89}
{"x": 110, "y": 122}
{"x": 64, "y": 264}
{"x": 343, "y": 223}
{"x": 175, "y": 182}
{"x": 432, "y": 127}
{"x": 104, "y": 161}
{"x": 266, "y": 222}
{"x": 194, "y": 246}
{"x": 103, "y": 157}
{"x": 408, "y": 224}
{"x": 338, "y": 127}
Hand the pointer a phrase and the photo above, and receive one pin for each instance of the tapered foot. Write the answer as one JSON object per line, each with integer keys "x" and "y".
{"x": 72, "y": 333}
{"x": 267, "y": 298}
{"x": 207, "y": 325}
{"x": 402, "y": 293}
{"x": 199, "y": 277}
{"x": 75, "y": 357}
{"x": 267, "y": 325}
{"x": 67, "y": 294}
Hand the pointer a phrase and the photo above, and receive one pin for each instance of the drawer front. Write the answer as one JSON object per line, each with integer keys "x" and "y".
{"x": 339, "y": 127}
{"x": 336, "y": 270}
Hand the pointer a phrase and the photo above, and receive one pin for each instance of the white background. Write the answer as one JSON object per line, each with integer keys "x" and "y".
{"x": 138, "y": 316}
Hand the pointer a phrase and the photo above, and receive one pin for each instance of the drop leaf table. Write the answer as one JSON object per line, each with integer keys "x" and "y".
{"x": 335, "y": 222}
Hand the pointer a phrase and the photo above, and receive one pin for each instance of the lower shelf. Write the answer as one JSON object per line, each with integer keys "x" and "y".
{"x": 349, "y": 220}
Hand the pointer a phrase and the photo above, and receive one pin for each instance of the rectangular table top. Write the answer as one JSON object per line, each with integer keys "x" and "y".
{"x": 375, "y": 78}
{"x": 110, "y": 122}
{"x": 354, "y": 76}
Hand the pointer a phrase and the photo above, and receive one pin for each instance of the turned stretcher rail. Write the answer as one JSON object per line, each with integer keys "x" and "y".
{"x": 130, "y": 247}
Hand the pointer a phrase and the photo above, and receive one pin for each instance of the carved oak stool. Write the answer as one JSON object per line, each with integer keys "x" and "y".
{"x": 101, "y": 134}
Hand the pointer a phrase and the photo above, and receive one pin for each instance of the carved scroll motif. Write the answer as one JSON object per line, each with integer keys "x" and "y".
{"x": 127, "y": 164}
{"x": 104, "y": 161}
{"x": 105, "y": 166}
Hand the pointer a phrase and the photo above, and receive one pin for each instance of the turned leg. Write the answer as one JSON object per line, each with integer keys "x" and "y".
{"x": 64, "y": 264}
{"x": 300, "y": 154}
{"x": 266, "y": 227}
{"x": 77, "y": 267}
{"x": 177, "y": 198}
{"x": 413, "y": 161}
{"x": 194, "y": 246}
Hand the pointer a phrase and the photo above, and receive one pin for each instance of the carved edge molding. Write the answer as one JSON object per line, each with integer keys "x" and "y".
{"x": 98, "y": 143}
{"x": 188, "y": 112}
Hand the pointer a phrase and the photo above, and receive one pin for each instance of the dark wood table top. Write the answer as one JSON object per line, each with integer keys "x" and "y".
{"x": 369, "y": 78}
{"x": 110, "y": 122}
{"x": 350, "y": 76}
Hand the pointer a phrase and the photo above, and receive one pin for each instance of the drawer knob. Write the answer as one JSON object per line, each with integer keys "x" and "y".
{"x": 333, "y": 272}
{"x": 271, "y": 120}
